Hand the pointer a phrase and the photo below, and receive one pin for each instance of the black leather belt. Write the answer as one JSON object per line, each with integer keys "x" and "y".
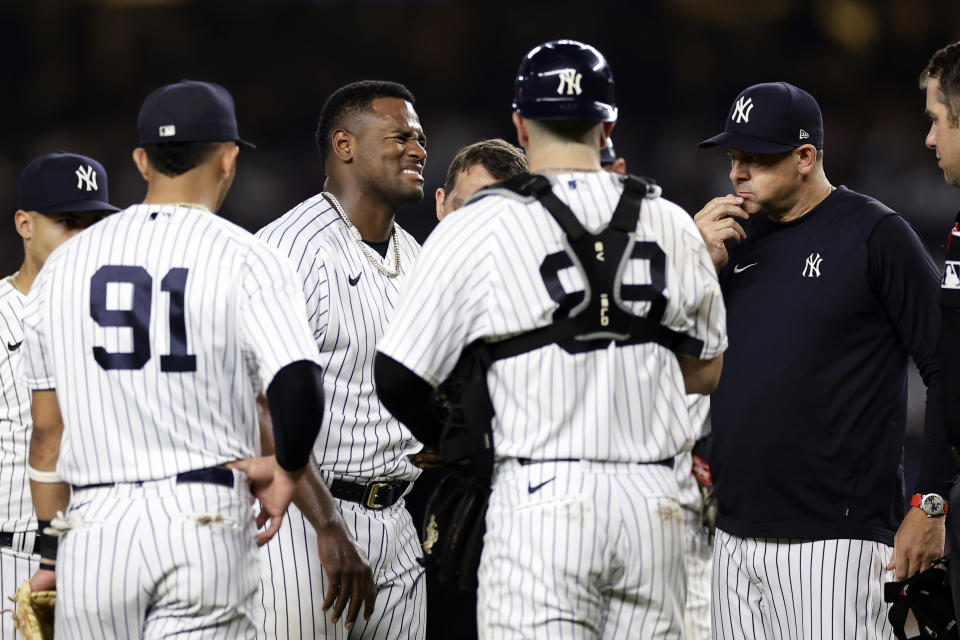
{"x": 375, "y": 495}
{"x": 6, "y": 540}
{"x": 666, "y": 462}
{"x": 210, "y": 475}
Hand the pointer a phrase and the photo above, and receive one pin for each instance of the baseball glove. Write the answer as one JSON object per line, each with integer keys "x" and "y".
{"x": 33, "y": 613}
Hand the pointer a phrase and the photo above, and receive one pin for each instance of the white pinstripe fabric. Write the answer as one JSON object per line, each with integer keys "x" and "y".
{"x": 349, "y": 304}
{"x": 479, "y": 277}
{"x": 359, "y": 438}
{"x": 799, "y": 589}
{"x": 597, "y": 552}
{"x": 243, "y": 319}
{"x": 16, "y": 506}
{"x": 291, "y": 608}
{"x": 138, "y": 564}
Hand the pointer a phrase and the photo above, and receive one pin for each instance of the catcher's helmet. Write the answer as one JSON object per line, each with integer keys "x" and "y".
{"x": 565, "y": 80}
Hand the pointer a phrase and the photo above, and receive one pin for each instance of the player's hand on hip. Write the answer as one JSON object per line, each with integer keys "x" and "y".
{"x": 43, "y": 580}
{"x": 718, "y": 225}
{"x": 918, "y": 542}
{"x": 348, "y": 574}
{"x": 273, "y": 486}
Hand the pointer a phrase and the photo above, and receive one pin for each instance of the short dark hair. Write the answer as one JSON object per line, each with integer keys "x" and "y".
{"x": 573, "y": 130}
{"x": 501, "y": 159}
{"x": 352, "y": 100}
{"x": 175, "y": 158}
{"x": 945, "y": 67}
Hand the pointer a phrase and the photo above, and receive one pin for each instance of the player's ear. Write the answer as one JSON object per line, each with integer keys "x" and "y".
{"x": 441, "y": 196}
{"x": 228, "y": 159}
{"x": 523, "y": 134}
{"x": 342, "y": 144}
{"x": 806, "y": 158}
{"x": 143, "y": 165}
{"x": 23, "y": 223}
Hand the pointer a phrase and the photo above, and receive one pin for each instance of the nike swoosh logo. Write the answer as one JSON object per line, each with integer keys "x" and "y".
{"x": 536, "y": 488}
{"x": 353, "y": 281}
{"x": 15, "y": 346}
{"x": 739, "y": 269}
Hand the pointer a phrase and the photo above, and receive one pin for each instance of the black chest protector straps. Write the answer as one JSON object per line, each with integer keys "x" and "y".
{"x": 592, "y": 319}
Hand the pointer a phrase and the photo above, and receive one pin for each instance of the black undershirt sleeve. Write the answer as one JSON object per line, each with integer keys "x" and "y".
{"x": 906, "y": 281}
{"x": 295, "y": 396}
{"x": 407, "y": 396}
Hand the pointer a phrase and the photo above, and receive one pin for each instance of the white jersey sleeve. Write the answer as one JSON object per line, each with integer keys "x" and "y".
{"x": 38, "y": 365}
{"x": 272, "y": 321}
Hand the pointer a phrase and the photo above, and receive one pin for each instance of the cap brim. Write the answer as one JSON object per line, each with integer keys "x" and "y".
{"x": 245, "y": 144}
{"x": 78, "y": 206}
{"x": 745, "y": 143}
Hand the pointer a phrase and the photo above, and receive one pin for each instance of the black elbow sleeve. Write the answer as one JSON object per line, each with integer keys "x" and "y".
{"x": 295, "y": 396}
{"x": 407, "y": 397}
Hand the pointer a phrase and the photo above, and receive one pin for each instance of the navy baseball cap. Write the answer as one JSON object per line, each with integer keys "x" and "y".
{"x": 607, "y": 153}
{"x": 771, "y": 118}
{"x": 189, "y": 111}
{"x": 63, "y": 182}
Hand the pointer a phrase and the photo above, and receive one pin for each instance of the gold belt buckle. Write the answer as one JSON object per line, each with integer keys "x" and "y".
{"x": 372, "y": 490}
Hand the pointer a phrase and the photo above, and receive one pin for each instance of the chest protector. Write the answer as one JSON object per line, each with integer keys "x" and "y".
{"x": 592, "y": 319}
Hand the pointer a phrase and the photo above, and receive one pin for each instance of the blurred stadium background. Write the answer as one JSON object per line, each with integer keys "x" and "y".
{"x": 74, "y": 74}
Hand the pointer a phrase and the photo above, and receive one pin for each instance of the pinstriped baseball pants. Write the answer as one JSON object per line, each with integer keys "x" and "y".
{"x": 158, "y": 560}
{"x": 582, "y": 550}
{"x": 784, "y": 589}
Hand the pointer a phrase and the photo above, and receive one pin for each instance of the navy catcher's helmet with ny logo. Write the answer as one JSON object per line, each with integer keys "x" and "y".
{"x": 565, "y": 80}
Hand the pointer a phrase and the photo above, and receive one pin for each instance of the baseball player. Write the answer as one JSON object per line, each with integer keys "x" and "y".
{"x": 59, "y": 195}
{"x": 476, "y": 166}
{"x": 584, "y": 533}
{"x": 699, "y": 554}
{"x": 827, "y": 292}
{"x": 353, "y": 260}
{"x": 146, "y": 339}
{"x": 941, "y": 83}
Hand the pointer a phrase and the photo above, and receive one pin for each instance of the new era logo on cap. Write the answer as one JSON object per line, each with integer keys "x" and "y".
{"x": 168, "y": 130}
{"x": 765, "y": 118}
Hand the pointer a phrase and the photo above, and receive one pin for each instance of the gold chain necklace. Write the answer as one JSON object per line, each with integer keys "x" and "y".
{"x": 192, "y": 205}
{"x": 14, "y": 284}
{"x": 372, "y": 257}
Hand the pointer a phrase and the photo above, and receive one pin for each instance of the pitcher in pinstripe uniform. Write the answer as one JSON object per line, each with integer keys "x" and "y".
{"x": 146, "y": 340}
{"x": 584, "y": 531}
{"x": 352, "y": 260}
{"x": 59, "y": 195}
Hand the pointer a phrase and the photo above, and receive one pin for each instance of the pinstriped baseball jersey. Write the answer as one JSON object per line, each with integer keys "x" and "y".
{"x": 16, "y": 506}
{"x": 349, "y": 304}
{"x": 156, "y": 328}
{"x": 484, "y": 274}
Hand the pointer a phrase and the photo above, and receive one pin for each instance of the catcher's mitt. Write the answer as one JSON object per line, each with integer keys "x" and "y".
{"x": 33, "y": 612}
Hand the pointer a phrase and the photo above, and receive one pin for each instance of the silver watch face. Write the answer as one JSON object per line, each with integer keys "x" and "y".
{"x": 932, "y": 504}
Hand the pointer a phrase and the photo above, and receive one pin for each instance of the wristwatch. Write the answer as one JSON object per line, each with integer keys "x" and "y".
{"x": 931, "y": 504}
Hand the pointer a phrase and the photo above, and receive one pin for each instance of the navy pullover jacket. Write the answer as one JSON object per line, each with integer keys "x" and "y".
{"x": 810, "y": 413}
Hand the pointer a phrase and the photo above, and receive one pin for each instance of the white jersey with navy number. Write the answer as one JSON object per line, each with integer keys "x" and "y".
{"x": 16, "y": 506}
{"x": 497, "y": 267}
{"x": 156, "y": 327}
{"x": 349, "y": 305}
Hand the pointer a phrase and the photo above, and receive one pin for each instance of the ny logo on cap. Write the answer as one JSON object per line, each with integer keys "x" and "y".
{"x": 86, "y": 177}
{"x": 742, "y": 109}
{"x": 571, "y": 79}
{"x": 168, "y": 130}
